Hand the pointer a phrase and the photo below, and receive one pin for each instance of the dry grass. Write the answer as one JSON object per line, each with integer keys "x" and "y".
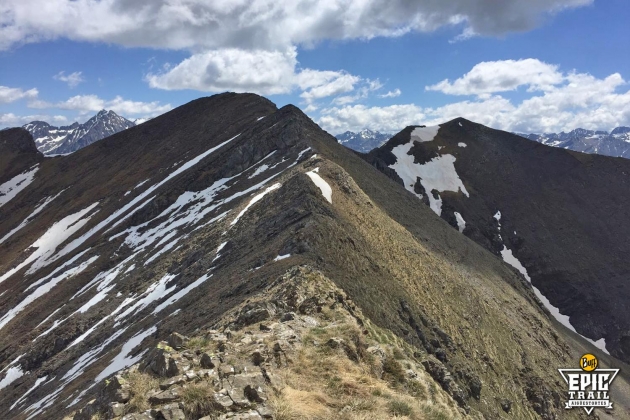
{"x": 141, "y": 384}
{"x": 197, "y": 400}
{"x": 323, "y": 383}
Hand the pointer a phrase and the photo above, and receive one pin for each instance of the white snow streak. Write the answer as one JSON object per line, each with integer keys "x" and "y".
{"x": 12, "y": 187}
{"x": 321, "y": 184}
{"x": 30, "y": 217}
{"x": 31, "y": 389}
{"x": 254, "y": 200}
{"x": 461, "y": 223}
{"x": 281, "y": 257}
{"x": 123, "y": 211}
{"x": 183, "y": 292}
{"x": 13, "y": 374}
{"x": 46, "y": 245}
{"x": 42, "y": 290}
{"x": 509, "y": 258}
{"x": 122, "y": 360}
{"x": 460, "y": 144}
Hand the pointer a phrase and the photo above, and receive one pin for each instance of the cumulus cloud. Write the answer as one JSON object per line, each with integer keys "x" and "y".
{"x": 260, "y": 71}
{"x": 72, "y": 79}
{"x": 12, "y": 120}
{"x": 92, "y": 103}
{"x": 391, "y": 94}
{"x": 390, "y": 119}
{"x": 557, "y": 102}
{"x": 258, "y": 24}
{"x": 250, "y": 45}
{"x": 8, "y": 95}
{"x": 501, "y": 76}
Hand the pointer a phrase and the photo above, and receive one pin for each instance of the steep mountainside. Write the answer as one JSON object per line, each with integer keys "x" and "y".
{"x": 364, "y": 140}
{"x": 616, "y": 143}
{"x": 558, "y": 216}
{"x": 186, "y": 223}
{"x": 68, "y": 139}
{"x": 19, "y": 159}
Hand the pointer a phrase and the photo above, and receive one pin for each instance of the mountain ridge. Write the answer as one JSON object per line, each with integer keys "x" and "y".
{"x": 540, "y": 199}
{"x": 170, "y": 225}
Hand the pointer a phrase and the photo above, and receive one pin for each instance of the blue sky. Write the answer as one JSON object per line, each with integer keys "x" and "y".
{"x": 536, "y": 66}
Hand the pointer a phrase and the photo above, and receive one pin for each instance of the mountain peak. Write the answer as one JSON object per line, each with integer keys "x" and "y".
{"x": 68, "y": 139}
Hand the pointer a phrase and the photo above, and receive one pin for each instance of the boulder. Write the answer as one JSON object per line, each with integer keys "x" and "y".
{"x": 164, "y": 397}
{"x": 176, "y": 380}
{"x": 177, "y": 341}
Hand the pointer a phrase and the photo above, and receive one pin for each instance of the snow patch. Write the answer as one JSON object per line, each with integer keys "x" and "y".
{"x": 461, "y": 223}
{"x": 321, "y": 184}
{"x": 125, "y": 210}
{"x": 281, "y": 257}
{"x": 12, "y": 187}
{"x": 13, "y": 374}
{"x": 122, "y": 360}
{"x": 437, "y": 174}
{"x": 31, "y": 389}
{"x": 183, "y": 292}
{"x": 424, "y": 134}
{"x": 460, "y": 144}
{"x": 30, "y": 217}
{"x": 42, "y": 290}
{"x": 46, "y": 245}
{"x": 254, "y": 200}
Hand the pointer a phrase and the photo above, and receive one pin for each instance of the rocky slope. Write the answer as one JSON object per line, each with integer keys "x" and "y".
{"x": 300, "y": 349}
{"x": 559, "y": 217}
{"x": 363, "y": 141}
{"x": 616, "y": 143}
{"x": 68, "y": 139}
{"x": 198, "y": 218}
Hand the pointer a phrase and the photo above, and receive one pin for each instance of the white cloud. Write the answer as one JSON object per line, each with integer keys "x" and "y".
{"x": 264, "y": 72}
{"x": 357, "y": 117}
{"x": 567, "y": 101}
{"x": 342, "y": 83}
{"x": 72, "y": 79}
{"x": 258, "y": 71}
{"x": 250, "y": 45}
{"x": 258, "y": 24}
{"x": 8, "y": 95}
{"x": 391, "y": 94}
{"x": 501, "y": 76}
{"x": 92, "y": 103}
{"x": 12, "y": 120}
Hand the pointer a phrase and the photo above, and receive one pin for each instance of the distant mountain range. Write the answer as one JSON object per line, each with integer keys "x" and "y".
{"x": 363, "y": 141}
{"x": 616, "y": 143}
{"x": 67, "y": 139}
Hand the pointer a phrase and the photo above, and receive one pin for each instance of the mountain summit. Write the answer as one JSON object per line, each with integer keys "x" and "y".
{"x": 559, "y": 217}
{"x": 68, "y": 139}
{"x": 250, "y": 228}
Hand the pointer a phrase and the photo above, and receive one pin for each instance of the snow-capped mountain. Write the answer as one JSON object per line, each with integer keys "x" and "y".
{"x": 68, "y": 139}
{"x": 616, "y": 143}
{"x": 363, "y": 141}
{"x": 191, "y": 223}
